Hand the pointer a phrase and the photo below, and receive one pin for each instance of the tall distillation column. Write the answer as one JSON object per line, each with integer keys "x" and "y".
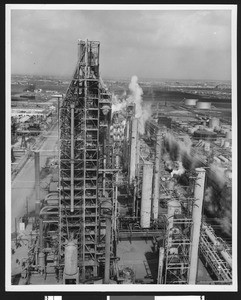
{"x": 146, "y": 195}
{"x": 134, "y": 137}
{"x": 197, "y": 218}
{"x": 156, "y": 193}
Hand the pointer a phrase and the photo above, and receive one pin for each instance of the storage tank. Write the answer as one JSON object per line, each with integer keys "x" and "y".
{"x": 190, "y": 102}
{"x": 214, "y": 122}
{"x": 203, "y": 105}
{"x": 146, "y": 195}
{"x": 71, "y": 258}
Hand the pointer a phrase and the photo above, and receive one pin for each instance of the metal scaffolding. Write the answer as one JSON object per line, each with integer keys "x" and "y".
{"x": 178, "y": 249}
{"x": 84, "y": 156}
{"x": 216, "y": 255}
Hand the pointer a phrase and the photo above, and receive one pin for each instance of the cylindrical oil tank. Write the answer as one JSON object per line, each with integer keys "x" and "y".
{"x": 146, "y": 195}
{"x": 214, "y": 122}
{"x": 203, "y": 105}
{"x": 190, "y": 102}
{"x": 71, "y": 258}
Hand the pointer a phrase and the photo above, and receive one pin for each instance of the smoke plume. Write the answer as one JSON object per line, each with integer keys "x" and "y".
{"x": 142, "y": 111}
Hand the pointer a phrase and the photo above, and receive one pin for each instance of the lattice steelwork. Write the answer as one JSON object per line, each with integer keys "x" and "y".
{"x": 84, "y": 147}
{"x": 178, "y": 242}
{"x": 178, "y": 249}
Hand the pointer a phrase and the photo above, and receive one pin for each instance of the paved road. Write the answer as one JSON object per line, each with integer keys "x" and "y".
{"x": 23, "y": 184}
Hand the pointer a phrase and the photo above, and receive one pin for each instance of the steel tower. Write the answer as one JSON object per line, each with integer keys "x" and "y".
{"x": 85, "y": 163}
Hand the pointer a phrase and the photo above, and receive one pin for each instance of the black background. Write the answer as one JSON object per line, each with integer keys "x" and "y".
{"x": 95, "y": 295}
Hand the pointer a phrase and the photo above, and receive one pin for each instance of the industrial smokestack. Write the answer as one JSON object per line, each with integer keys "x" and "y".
{"x": 133, "y": 149}
{"x": 197, "y": 218}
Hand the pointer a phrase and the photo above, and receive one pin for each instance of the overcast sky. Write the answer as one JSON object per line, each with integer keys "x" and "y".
{"x": 150, "y": 44}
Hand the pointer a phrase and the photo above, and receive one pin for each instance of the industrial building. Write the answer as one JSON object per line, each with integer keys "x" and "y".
{"x": 130, "y": 205}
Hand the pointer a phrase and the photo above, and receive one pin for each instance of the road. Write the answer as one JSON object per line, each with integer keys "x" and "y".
{"x": 23, "y": 184}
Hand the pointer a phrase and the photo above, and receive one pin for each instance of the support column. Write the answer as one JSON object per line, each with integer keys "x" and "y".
{"x": 156, "y": 194}
{"x": 72, "y": 160}
{"x": 197, "y": 218}
{"x": 107, "y": 250}
{"x": 41, "y": 244}
{"x": 137, "y": 150}
{"x": 160, "y": 265}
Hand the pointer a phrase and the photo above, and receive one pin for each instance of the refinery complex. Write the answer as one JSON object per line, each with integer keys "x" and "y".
{"x": 113, "y": 187}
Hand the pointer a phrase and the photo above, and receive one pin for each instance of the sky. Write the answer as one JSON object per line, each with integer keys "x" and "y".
{"x": 174, "y": 44}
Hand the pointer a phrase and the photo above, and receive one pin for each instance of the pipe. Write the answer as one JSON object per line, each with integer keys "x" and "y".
{"x": 107, "y": 250}
{"x": 41, "y": 244}
{"x": 214, "y": 240}
{"x": 197, "y": 218}
{"x": 160, "y": 265}
{"x": 72, "y": 160}
{"x": 156, "y": 195}
{"x": 104, "y": 174}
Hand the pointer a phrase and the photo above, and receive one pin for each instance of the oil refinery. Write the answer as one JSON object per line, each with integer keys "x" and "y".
{"x": 138, "y": 193}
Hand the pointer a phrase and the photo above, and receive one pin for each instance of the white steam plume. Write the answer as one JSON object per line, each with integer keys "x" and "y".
{"x": 142, "y": 112}
{"x": 179, "y": 170}
{"x": 136, "y": 95}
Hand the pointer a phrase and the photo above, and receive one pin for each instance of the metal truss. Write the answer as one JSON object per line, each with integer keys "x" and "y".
{"x": 84, "y": 123}
{"x": 210, "y": 254}
{"x": 178, "y": 249}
